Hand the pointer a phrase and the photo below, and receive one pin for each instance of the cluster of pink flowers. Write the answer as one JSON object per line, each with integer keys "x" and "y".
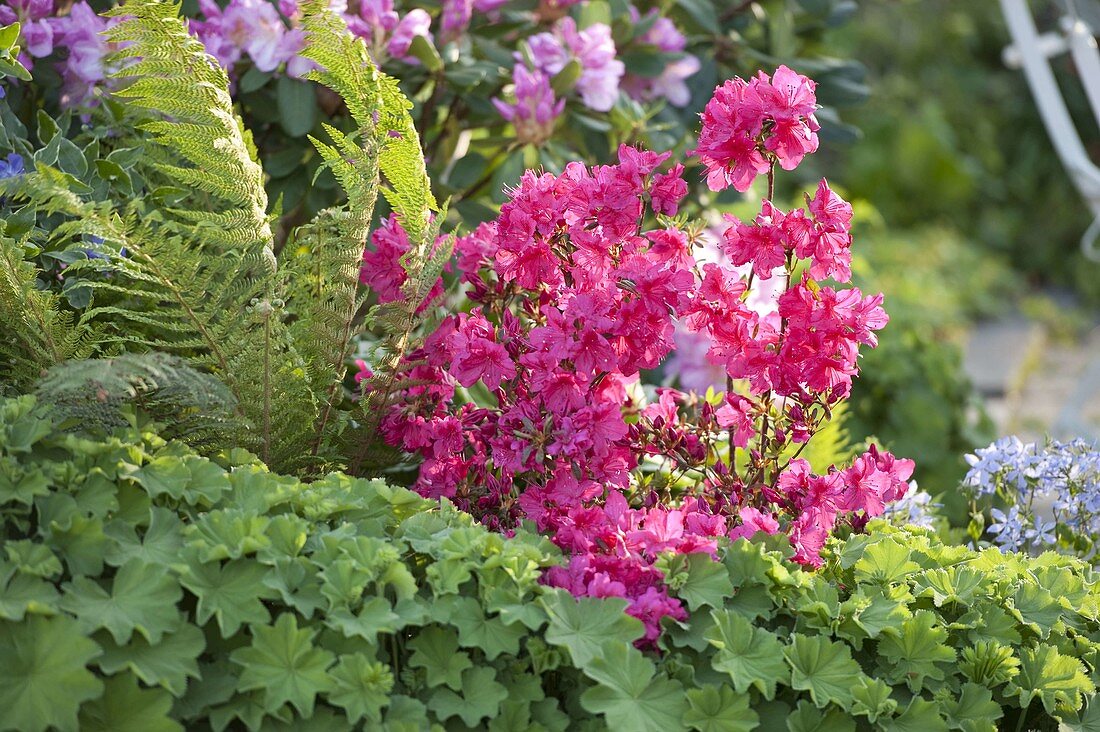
{"x": 529, "y": 407}
{"x": 670, "y": 84}
{"x": 749, "y": 125}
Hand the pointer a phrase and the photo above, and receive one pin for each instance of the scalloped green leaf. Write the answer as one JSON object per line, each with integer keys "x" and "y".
{"x": 1059, "y": 681}
{"x": 143, "y": 598}
{"x": 751, "y": 656}
{"x": 361, "y": 687}
{"x": 480, "y": 697}
{"x": 283, "y": 663}
{"x": 915, "y": 650}
{"x": 824, "y": 668}
{"x": 168, "y": 663}
{"x": 719, "y": 709}
{"x": 436, "y": 651}
{"x": 125, "y": 707}
{"x": 584, "y": 624}
{"x": 627, "y": 693}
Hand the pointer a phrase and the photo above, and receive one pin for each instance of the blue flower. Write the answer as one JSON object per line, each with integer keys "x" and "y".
{"x": 12, "y": 166}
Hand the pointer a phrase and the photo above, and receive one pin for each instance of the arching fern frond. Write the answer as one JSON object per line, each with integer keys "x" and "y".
{"x": 186, "y": 404}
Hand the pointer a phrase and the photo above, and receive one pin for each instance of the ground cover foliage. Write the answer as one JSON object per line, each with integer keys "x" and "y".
{"x": 144, "y": 587}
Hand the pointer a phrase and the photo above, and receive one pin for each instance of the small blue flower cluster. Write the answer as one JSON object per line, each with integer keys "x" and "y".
{"x": 11, "y": 166}
{"x": 1049, "y": 489}
{"x": 916, "y": 509}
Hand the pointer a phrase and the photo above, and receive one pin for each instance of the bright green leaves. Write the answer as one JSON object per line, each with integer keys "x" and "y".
{"x": 973, "y": 710}
{"x": 43, "y": 679}
{"x": 284, "y": 664}
{"x": 142, "y": 597}
{"x": 361, "y": 687}
{"x": 914, "y": 651}
{"x": 436, "y": 651}
{"x": 884, "y": 563}
{"x": 585, "y": 624}
{"x": 479, "y": 697}
{"x": 697, "y": 579}
{"x": 1059, "y": 681}
{"x": 824, "y": 668}
{"x": 752, "y": 657}
{"x": 628, "y": 693}
{"x": 989, "y": 663}
{"x": 871, "y": 699}
{"x": 719, "y": 709}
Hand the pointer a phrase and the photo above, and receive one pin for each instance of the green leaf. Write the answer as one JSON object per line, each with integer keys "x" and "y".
{"x": 232, "y": 593}
{"x": 884, "y": 562}
{"x": 284, "y": 664}
{"x": 481, "y": 697}
{"x": 1035, "y": 607}
{"x": 751, "y": 656}
{"x": 361, "y": 687}
{"x": 20, "y": 485}
{"x": 708, "y": 582}
{"x": 166, "y": 475}
{"x": 913, "y": 651}
{"x": 920, "y": 716}
{"x": 808, "y": 718}
{"x": 168, "y": 663}
{"x": 824, "y": 668}
{"x": 33, "y": 559}
{"x": 958, "y": 584}
{"x": 124, "y": 707}
{"x": 490, "y": 634}
{"x": 1085, "y": 720}
{"x": 871, "y": 699}
{"x": 422, "y": 49}
{"x": 436, "y": 651}
{"x": 1059, "y": 681}
{"x": 374, "y": 617}
{"x": 43, "y": 679}
{"x": 989, "y": 663}
{"x": 22, "y": 594}
{"x": 160, "y": 544}
{"x": 719, "y": 709}
{"x": 628, "y": 695}
{"x": 143, "y": 597}
{"x": 973, "y": 711}
{"x": 297, "y": 104}
{"x": 584, "y": 624}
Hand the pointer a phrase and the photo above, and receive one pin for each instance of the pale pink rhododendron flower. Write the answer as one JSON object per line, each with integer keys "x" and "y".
{"x": 535, "y": 110}
{"x": 671, "y": 84}
{"x": 593, "y": 48}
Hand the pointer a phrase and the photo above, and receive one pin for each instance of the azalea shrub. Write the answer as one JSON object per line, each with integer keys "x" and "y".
{"x": 144, "y": 587}
{"x": 523, "y": 408}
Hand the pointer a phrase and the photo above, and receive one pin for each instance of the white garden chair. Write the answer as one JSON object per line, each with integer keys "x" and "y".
{"x": 1032, "y": 52}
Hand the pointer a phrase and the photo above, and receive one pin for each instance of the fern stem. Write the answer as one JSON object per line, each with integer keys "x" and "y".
{"x": 267, "y": 384}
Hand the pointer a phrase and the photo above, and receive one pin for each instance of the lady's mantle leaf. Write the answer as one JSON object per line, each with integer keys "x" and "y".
{"x": 43, "y": 679}
{"x": 808, "y": 718}
{"x": 824, "y": 668}
{"x": 719, "y": 709}
{"x": 362, "y": 687}
{"x": 751, "y": 656}
{"x": 913, "y": 651}
{"x": 627, "y": 694}
{"x": 436, "y": 651}
{"x": 584, "y": 624}
{"x": 885, "y": 562}
{"x": 1058, "y": 680}
{"x": 143, "y": 597}
{"x": 973, "y": 711}
{"x": 481, "y": 697}
{"x": 168, "y": 663}
{"x": 284, "y": 664}
{"x": 232, "y": 593}
{"x": 124, "y": 707}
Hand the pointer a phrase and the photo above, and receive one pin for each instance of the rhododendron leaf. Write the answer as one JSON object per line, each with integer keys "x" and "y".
{"x": 160, "y": 544}
{"x": 22, "y": 594}
{"x": 436, "y": 651}
{"x": 481, "y": 697}
{"x": 124, "y": 707}
{"x": 628, "y": 695}
{"x": 43, "y": 679}
{"x": 920, "y": 716}
{"x": 808, "y": 718}
{"x": 231, "y": 592}
{"x": 871, "y": 699}
{"x": 374, "y": 617}
{"x": 143, "y": 597}
{"x": 1059, "y": 681}
{"x": 973, "y": 710}
{"x": 751, "y": 656}
{"x": 1035, "y": 607}
{"x": 361, "y": 687}
{"x": 955, "y": 585}
{"x": 708, "y": 582}
{"x": 719, "y": 709}
{"x": 885, "y": 562}
{"x": 168, "y": 663}
{"x": 824, "y": 668}
{"x": 913, "y": 651}
{"x": 584, "y": 624}
{"x": 283, "y": 663}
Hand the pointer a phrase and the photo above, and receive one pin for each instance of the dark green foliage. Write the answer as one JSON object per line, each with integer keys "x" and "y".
{"x": 144, "y": 587}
